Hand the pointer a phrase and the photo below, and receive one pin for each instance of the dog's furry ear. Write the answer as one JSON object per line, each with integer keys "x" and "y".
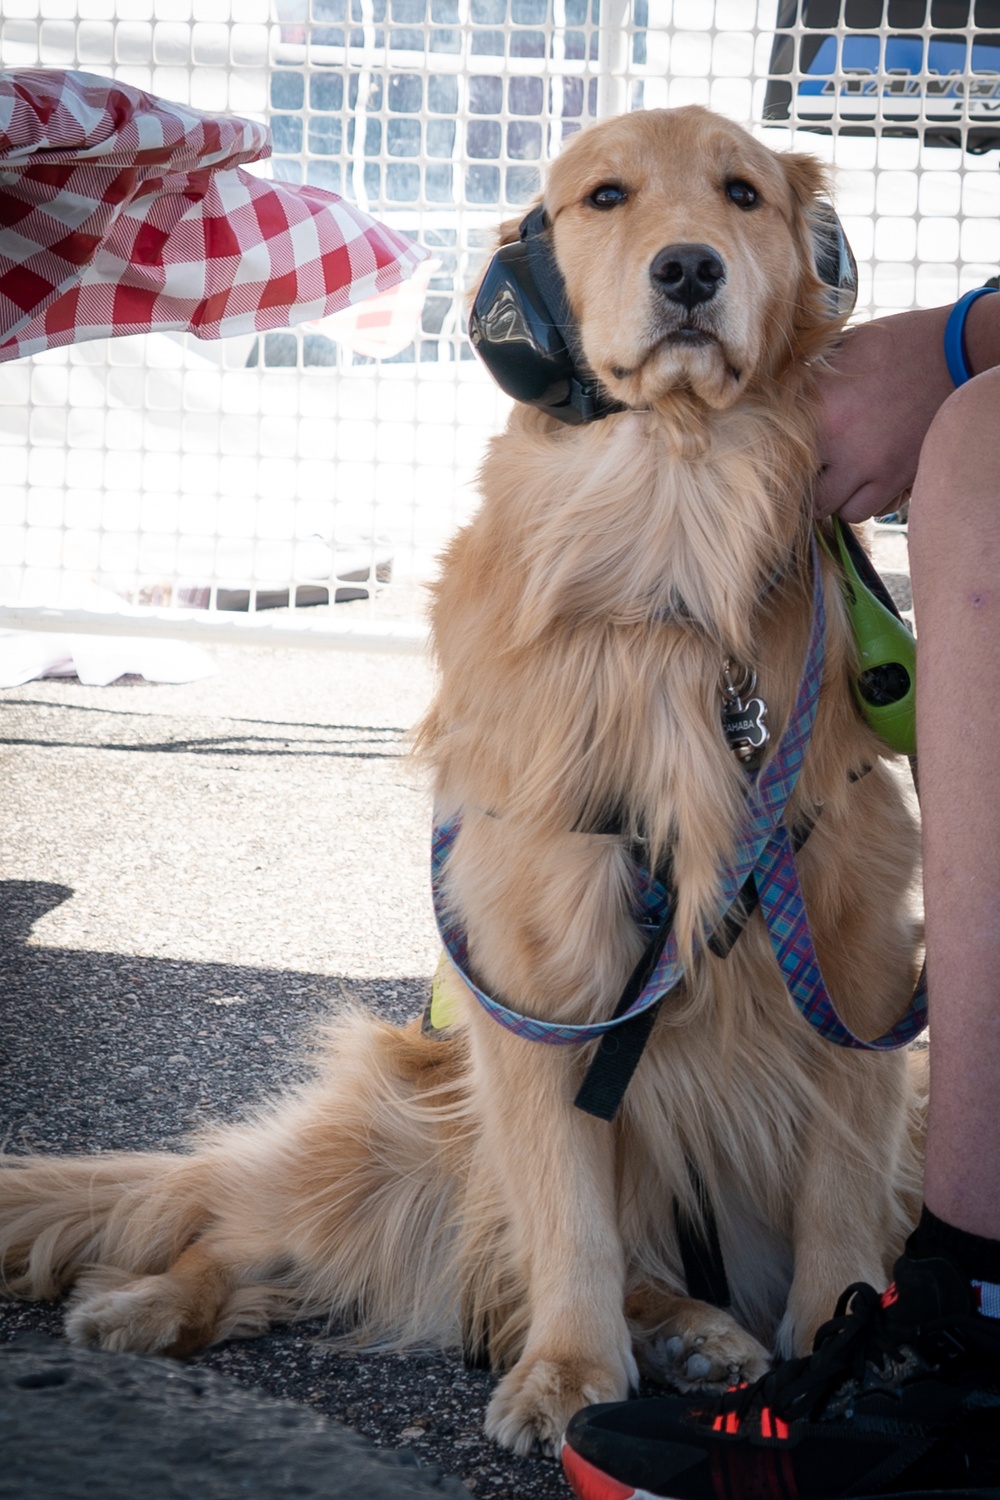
{"x": 809, "y": 183}
{"x": 806, "y": 177}
{"x": 810, "y": 186}
{"x": 509, "y": 230}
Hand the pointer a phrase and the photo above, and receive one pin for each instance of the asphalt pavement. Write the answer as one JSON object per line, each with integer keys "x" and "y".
{"x": 191, "y": 876}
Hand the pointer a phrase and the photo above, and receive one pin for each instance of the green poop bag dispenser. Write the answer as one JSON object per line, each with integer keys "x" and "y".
{"x": 885, "y": 687}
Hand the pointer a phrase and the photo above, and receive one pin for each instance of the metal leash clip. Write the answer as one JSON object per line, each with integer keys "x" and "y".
{"x": 742, "y": 717}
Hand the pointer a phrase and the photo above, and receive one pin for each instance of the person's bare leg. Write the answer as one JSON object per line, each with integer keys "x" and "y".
{"x": 955, "y": 563}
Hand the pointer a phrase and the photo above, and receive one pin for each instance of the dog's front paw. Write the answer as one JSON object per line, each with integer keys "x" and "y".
{"x": 126, "y": 1314}
{"x": 811, "y": 1301}
{"x": 533, "y": 1403}
{"x": 702, "y": 1347}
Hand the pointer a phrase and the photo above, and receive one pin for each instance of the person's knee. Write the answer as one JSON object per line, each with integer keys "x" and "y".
{"x": 958, "y": 477}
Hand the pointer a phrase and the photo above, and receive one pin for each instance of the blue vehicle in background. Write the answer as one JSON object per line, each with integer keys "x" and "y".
{"x": 907, "y": 65}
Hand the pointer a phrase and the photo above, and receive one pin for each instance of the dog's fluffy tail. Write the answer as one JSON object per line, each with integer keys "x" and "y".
{"x": 342, "y": 1199}
{"x": 60, "y": 1214}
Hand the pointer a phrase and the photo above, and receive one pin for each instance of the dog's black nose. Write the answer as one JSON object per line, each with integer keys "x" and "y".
{"x": 688, "y": 274}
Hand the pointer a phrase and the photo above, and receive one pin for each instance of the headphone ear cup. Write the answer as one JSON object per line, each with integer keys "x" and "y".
{"x": 522, "y": 328}
{"x": 516, "y": 333}
{"x": 833, "y": 259}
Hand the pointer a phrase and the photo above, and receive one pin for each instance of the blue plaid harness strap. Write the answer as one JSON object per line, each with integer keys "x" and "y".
{"x": 787, "y": 921}
{"x": 764, "y": 852}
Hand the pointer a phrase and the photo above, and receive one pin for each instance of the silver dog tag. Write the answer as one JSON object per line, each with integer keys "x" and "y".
{"x": 742, "y": 717}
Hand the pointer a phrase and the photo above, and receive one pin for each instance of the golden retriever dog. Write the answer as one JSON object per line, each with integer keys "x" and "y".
{"x": 444, "y": 1189}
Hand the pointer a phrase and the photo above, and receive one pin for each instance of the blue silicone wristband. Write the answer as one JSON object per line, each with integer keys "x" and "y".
{"x": 954, "y": 335}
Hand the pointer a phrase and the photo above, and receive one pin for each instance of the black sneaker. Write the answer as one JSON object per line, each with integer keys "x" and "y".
{"x": 900, "y": 1398}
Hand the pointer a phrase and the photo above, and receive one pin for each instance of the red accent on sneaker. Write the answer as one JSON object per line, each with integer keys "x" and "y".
{"x": 588, "y": 1483}
{"x": 772, "y": 1426}
{"x": 890, "y": 1295}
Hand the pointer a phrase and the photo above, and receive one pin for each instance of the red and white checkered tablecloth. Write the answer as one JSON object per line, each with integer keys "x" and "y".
{"x": 124, "y": 213}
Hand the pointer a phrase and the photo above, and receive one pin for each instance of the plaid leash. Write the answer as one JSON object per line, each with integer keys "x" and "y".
{"x": 764, "y": 851}
{"x": 651, "y": 900}
{"x": 784, "y": 910}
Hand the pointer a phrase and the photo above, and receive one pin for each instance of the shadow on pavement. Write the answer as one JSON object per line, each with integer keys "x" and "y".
{"x": 103, "y": 1051}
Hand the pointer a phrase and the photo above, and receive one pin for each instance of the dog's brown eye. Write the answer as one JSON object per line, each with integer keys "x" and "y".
{"x": 608, "y": 195}
{"x": 741, "y": 193}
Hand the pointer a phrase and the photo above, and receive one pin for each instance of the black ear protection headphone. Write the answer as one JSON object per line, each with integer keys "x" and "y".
{"x": 522, "y": 328}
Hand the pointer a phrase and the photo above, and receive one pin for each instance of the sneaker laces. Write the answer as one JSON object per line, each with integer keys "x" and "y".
{"x": 858, "y": 1347}
{"x": 842, "y": 1348}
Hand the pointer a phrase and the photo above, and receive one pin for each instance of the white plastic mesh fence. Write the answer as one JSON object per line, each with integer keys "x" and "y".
{"x": 296, "y": 467}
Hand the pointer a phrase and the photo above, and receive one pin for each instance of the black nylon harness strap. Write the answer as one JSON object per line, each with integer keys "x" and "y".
{"x": 618, "y": 1052}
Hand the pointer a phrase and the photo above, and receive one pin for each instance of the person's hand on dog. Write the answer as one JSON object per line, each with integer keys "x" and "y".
{"x": 878, "y": 398}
